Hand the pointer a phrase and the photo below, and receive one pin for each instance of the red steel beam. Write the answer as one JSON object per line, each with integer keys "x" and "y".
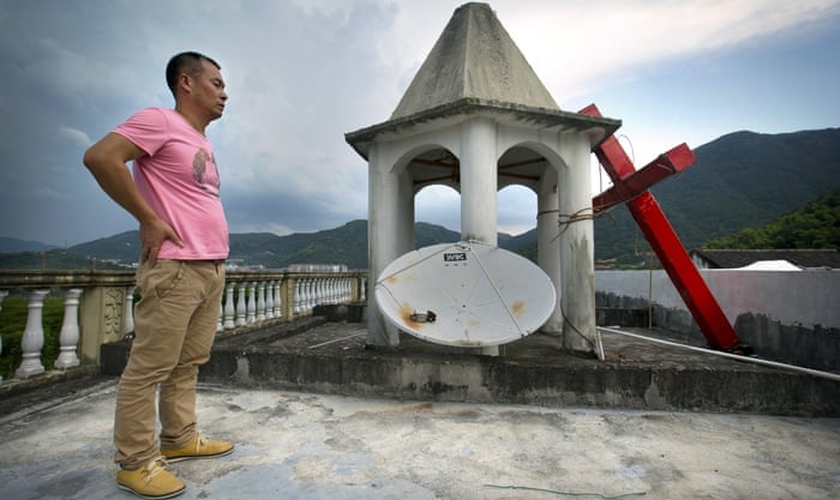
{"x": 669, "y": 249}
{"x": 668, "y": 164}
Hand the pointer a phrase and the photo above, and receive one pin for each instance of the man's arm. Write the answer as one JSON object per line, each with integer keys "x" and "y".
{"x": 107, "y": 160}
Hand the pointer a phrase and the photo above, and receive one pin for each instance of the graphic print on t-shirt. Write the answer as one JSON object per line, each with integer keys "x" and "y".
{"x": 200, "y": 160}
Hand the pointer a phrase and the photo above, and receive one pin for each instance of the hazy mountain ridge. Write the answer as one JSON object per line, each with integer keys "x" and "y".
{"x": 13, "y": 245}
{"x": 741, "y": 180}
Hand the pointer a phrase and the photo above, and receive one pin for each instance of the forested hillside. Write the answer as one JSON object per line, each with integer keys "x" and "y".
{"x": 739, "y": 181}
{"x": 814, "y": 226}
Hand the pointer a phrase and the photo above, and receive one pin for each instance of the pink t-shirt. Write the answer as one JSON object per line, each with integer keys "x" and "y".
{"x": 178, "y": 178}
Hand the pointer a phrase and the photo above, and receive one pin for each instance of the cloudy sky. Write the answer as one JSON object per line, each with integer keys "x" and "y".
{"x": 302, "y": 73}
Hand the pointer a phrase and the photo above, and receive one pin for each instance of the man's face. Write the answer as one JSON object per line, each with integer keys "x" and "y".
{"x": 210, "y": 92}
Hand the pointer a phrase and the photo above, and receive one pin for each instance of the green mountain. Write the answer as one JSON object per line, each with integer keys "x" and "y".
{"x": 12, "y": 245}
{"x": 343, "y": 245}
{"x": 814, "y": 226}
{"x": 742, "y": 180}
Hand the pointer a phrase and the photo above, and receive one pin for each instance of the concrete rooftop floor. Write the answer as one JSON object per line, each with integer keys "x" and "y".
{"x": 296, "y": 444}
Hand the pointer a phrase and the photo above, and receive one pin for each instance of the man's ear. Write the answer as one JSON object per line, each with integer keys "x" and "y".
{"x": 185, "y": 83}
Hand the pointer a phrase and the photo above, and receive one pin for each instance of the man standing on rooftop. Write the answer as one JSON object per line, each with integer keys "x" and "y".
{"x": 174, "y": 195}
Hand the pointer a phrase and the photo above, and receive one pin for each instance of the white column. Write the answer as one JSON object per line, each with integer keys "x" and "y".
{"x": 383, "y": 227}
{"x": 278, "y": 300}
{"x": 229, "y": 308}
{"x": 33, "y": 337}
{"x": 68, "y": 338}
{"x": 241, "y": 305}
{"x": 269, "y": 300}
{"x": 479, "y": 181}
{"x": 306, "y": 296}
{"x": 298, "y": 302}
{"x": 220, "y": 320}
{"x": 261, "y": 302}
{"x": 128, "y": 311}
{"x": 252, "y": 303}
{"x": 548, "y": 243}
{"x": 479, "y": 187}
{"x": 577, "y": 255}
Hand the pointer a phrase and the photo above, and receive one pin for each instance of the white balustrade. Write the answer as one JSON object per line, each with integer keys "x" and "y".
{"x": 2, "y": 296}
{"x": 261, "y": 302}
{"x": 311, "y": 295}
{"x": 278, "y": 301}
{"x": 298, "y": 297}
{"x": 269, "y": 300}
{"x": 242, "y": 306}
{"x": 248, "y": 299}
{"x": 220, "y": 321}
{"x": 33, "y": 336}
{"x": 68, "y": 337}
{"x": 128, "y": 311}
{"x": 252, "y": 302}
{"x": 229, "y": 309}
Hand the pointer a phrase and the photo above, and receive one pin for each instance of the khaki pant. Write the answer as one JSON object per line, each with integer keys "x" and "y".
{"x": 175, "y": 323}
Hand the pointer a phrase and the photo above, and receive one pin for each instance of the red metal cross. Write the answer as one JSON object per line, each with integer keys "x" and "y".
{"x": 631, "y": 187}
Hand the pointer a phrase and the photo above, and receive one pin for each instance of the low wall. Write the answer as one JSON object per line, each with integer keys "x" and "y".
{"x": 788, "y": 316}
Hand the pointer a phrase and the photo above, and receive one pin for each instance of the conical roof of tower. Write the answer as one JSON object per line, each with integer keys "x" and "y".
{"x": 474, "y": 58}
{"x": 476, "y": 69}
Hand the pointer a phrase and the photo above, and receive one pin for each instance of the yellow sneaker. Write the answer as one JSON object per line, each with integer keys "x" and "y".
{"x": 151, "y": 481}
{"x": 200, "y": 447}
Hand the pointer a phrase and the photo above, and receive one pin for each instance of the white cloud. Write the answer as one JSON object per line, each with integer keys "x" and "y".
{"x": 75, "y": 136}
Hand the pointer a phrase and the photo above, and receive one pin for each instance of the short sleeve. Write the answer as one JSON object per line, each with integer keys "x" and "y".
{"x": 148, "y": 129}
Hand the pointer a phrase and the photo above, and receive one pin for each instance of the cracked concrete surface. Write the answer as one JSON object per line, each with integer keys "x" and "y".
{"x": 300, "y": 445}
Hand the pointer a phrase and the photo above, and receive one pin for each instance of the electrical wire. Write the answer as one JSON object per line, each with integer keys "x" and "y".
{"x": 748, "y": 359}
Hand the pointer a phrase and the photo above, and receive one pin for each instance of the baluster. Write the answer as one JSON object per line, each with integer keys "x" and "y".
{"x": 298, "y": 298}
{"x": 2, "y": 296}
{"x": 278, "y": 300}
{"x": 241, "y": 307}
{"x": 128, "y": 311}
{"x": 335, "y": 298}
{"x": 220, "y": 326}
{"x": 309, "y": 293}
{"x": 69, "y": 336}
{"x": 252, "y": 303}
{"x": 33, "y": 337}
{"x": 269, "y": 300}
{"x": 261, "y": 302}
{"x": 229, "y": 309}
{"x": 316, "y": 293}
{"x": 324, "y": 291}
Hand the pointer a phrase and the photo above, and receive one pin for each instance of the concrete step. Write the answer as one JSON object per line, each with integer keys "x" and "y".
{"x": 332, "y": 357}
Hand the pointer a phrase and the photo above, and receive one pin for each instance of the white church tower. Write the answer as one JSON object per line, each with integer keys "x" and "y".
{"x": 477, "y": 118}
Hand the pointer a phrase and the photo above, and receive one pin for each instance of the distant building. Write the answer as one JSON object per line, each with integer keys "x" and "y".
{"x": 318, "y": 268}
{"x": 733, "y": 259}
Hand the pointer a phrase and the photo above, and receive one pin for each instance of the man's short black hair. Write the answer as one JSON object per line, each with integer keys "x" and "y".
{"x": 185, "y": 62}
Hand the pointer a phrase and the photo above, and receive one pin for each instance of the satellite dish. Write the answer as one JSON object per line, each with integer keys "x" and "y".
{"x": 465, "y": 294}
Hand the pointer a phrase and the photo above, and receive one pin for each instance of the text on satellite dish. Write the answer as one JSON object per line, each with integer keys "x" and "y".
{"x": 454, "y": 257}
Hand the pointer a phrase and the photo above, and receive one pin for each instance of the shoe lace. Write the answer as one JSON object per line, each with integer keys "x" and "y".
{"x": 155, "y": 467}
{"x": 201, "y": 440}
